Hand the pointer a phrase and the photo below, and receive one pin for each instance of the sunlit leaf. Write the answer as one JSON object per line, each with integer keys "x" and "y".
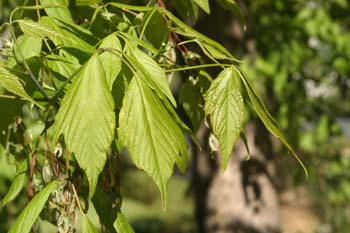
{"x": 204, "y": 4}
{"x": 152, "y": 74}
{"x": 86, "y": 2}
{"x": 215, "y": 49}
{"x": 88, "y": 227}
{"x": 31, "y": 212}
{"x": 269, "y": 122}
{"x": 87, "y": 120}
{"x": 111, "y": 60}
{"x": 67, "y": 39}
{"x": 12, "y": 83}
{"x": 225, "y": 108}
{"x": 17, "y": 183}
{"x": 37, "y": 30}
{"x": 154, "y": 140}
{"x": 61, "y": 12}
{"x": 121, "y": 225}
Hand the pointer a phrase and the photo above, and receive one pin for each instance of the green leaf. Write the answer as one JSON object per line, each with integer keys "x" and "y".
{"x": 269, "y": 122}
{"x": 215, "y": 49}
{"x": 88, "y": 227}
{"x": 61, "y": 67}
{"x": 31, "y": 212}
{"x": 188, "y": 10}
{"x": 37, "y": 30}
{"x": 150, "y": 133}
{"x": 86, "y": 2}
{"x": 67, "y": 39}
{"x": 61, "y": 12}
{"x": 204, "y": 4}
{"x": 232, "y": 6}
{"x": 121, "y": 225}
{"x": 111, "y": 60}
{"x": 192, "y": 102}
{"x": 27, "y": 47}
{"x": 88, "y": 103}
{"x": 224, "y": 105}
{"x": 104, "y": 208}
{"x": 152, "y": 74}
{"x": 17, "y": 183}
{"x": 156, "y": 29}
{"x": 12, "y": 83}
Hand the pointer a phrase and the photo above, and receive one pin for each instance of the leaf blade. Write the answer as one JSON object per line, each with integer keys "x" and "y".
{"x": 31, "y": 212}
{"x": 121, "y": 225}
{"x": 85, "y": 99}
{"x": 269, "y": 122}
{"x": 151, "y": 135}
{"x": 224, "y": 105}
{"x": 17, "y": 183}
{"x": 11, "y": 83}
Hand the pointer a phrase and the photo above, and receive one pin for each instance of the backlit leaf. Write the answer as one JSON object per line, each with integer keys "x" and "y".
{"x": 215, "y": 49}
{"x": 88, "y": 227}
{"x": 204, "y": 4}
{"x": 37, "y": 30}
{"x": 111, "y": 60}
{"x": 61, "y": 12}
{"x": 154, "y": 140}
{"x": 121, "y": 225}
{"x": 31, "y": 212}
{"x": 87, "y": 120}
{"x": 86, "y": 2}
{"x": 152, "y": 74}
{"x": 225, "y": 108}
{"x": 269, "y": 122}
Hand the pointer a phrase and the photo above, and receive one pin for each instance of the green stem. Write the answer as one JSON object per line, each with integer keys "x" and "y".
{"x": 197, "y": 67}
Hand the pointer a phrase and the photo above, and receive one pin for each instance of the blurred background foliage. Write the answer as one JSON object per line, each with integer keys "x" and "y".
{"x": 298, "y": 55}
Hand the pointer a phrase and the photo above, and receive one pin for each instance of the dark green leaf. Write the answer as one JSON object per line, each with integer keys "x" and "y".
{"x": 156, "y": 29}
{"x": 232, "y": 6}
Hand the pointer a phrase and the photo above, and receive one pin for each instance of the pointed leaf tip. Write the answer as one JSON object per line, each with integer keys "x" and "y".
{"x": 225, "y": 108}
{"x": 88, "y": 102}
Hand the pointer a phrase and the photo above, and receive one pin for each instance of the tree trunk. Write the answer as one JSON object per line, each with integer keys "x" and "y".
{"x": 243, "y": 199}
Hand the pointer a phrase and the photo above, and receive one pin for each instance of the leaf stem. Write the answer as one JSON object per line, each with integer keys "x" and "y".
{"x": 8, "y": 96}
{"x": 77, "y": 199}
{"x": 196, "y": 67}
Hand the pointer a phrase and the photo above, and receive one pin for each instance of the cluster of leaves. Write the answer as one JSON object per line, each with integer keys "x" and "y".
{"x": 93, "y": 79}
